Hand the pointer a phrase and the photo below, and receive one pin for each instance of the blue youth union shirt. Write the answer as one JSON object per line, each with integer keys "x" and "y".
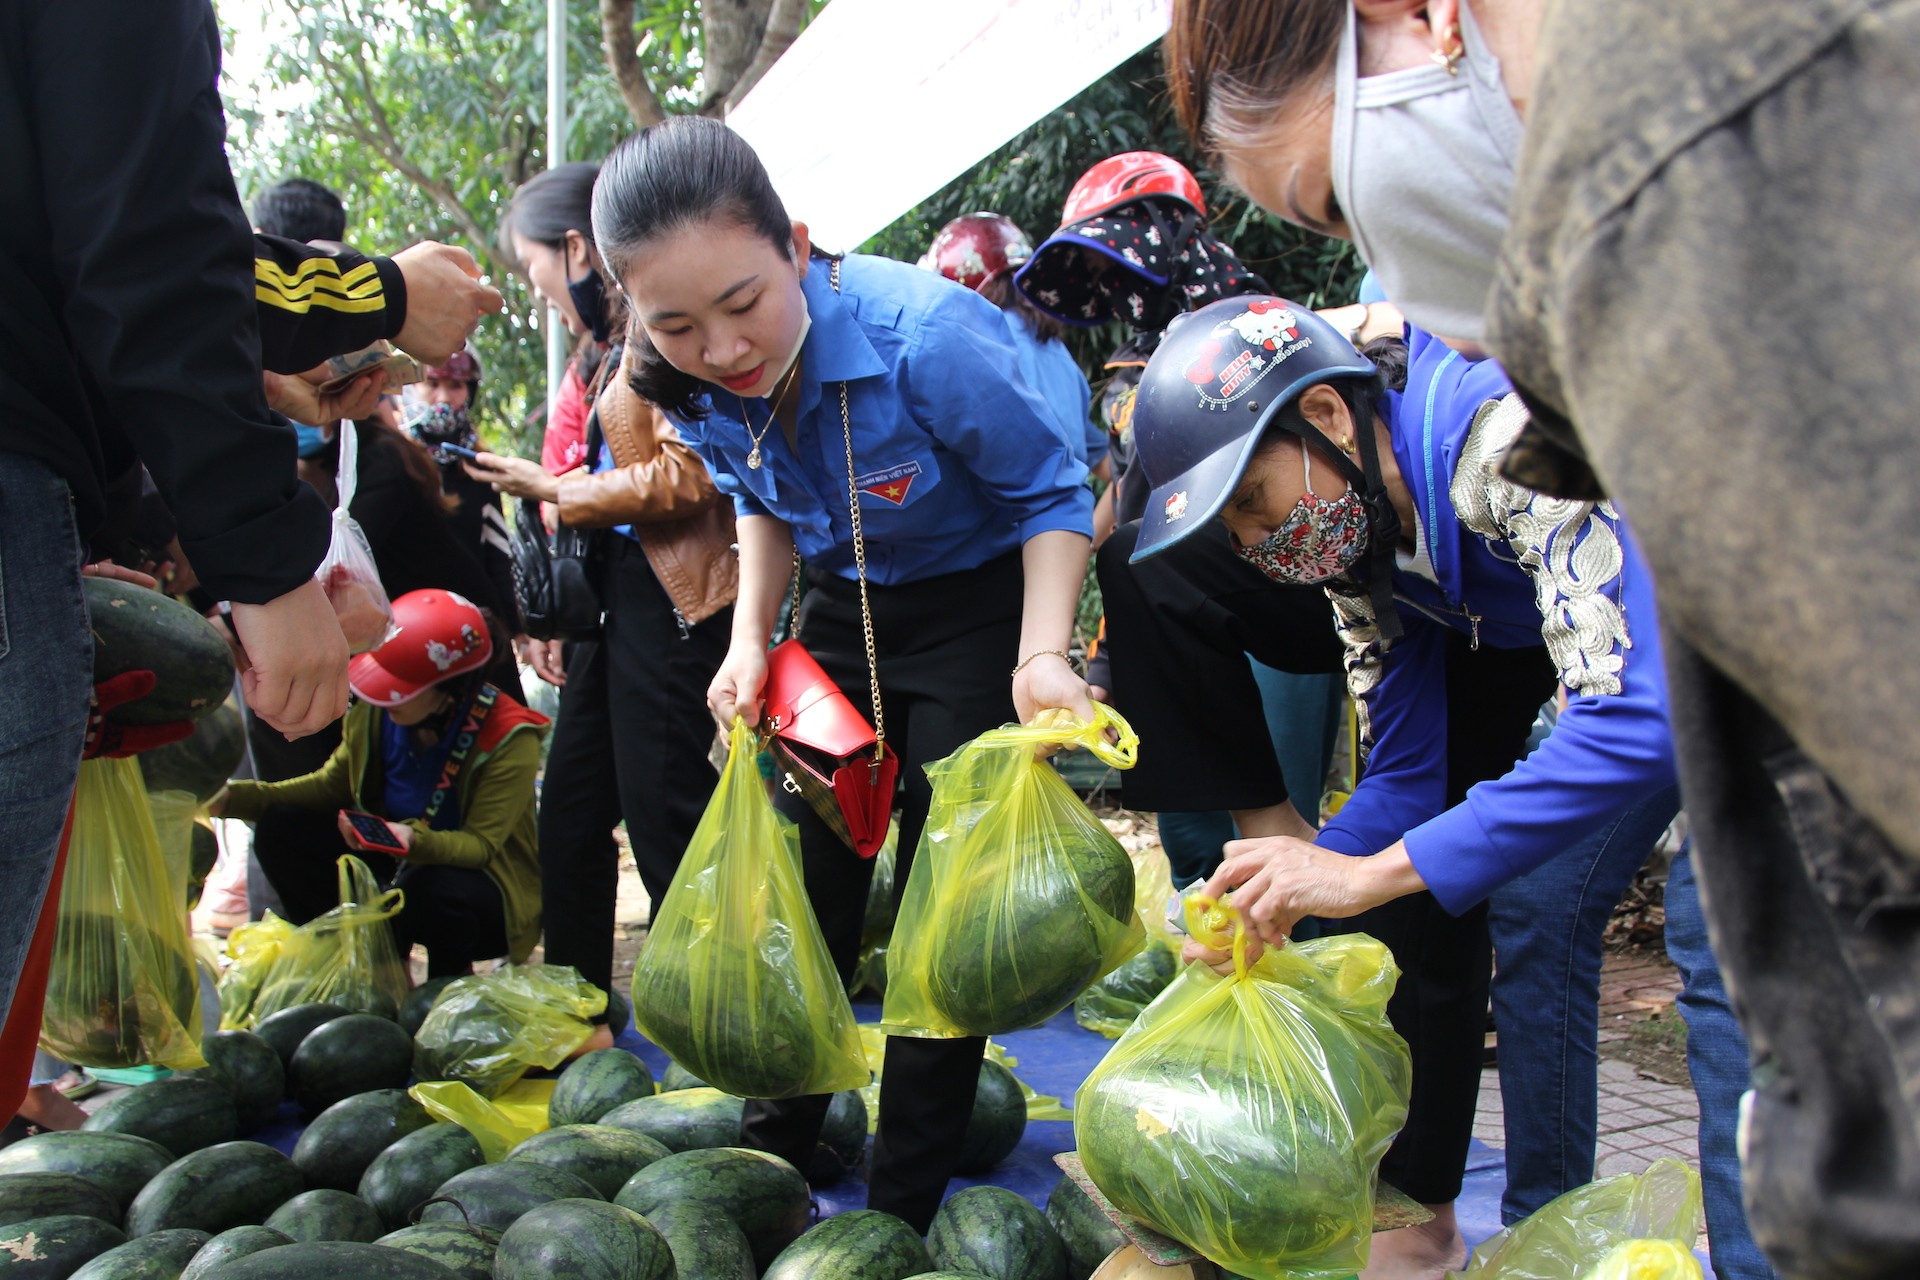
{"x": 956, "y": 457}
{"x": 1052, "y": 371}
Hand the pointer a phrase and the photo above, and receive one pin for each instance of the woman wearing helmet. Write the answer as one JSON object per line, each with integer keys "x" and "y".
{"x": 1256, "y": 412}
{"x": 447, "y": 762}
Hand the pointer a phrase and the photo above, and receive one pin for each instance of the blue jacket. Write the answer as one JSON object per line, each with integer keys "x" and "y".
{"x": 1511, "y": 565}
{"x": 957, "y": 457}
{"x": 1052, "y": 371}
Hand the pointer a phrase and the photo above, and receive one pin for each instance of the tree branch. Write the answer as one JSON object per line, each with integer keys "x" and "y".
{"x": 784, "y": 24}
{"x": 616, "y": 29}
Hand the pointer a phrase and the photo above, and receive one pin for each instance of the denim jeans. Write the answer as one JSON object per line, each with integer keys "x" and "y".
{"x": 46, "y": 675}
{"x": 1717, "y": 1060}
{"x": 1548, "y": 928}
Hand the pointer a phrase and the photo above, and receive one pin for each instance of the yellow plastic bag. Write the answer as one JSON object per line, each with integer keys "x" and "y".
{"x": 346, "y": 957}
{"x": 1246, "y": 1115}
{"x": 1648, "y": 1260}
{"x": 1565, "y": 1235}
{"x": 173, "y": 813}
{"x": 122, "y": 989}
{"x": 251, "y": 952}
{"x": 499, "y": 1124}
{"x": 735, "y": 982}
{"x": 1018, "y": 897}
{"x": 486, "y": 1031}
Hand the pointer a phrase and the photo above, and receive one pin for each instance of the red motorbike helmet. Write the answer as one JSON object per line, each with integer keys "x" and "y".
{"x": 1125, "y": 178}
{"x": 438, "y": 635}
{"x": 975, "y": 247}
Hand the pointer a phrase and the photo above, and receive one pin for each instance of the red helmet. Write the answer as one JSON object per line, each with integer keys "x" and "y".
{"x": 976, "y": 246}
{"x": 439, "y": 635}
{"x": 461, "y": 366}
{"x": 1125, "y": 178}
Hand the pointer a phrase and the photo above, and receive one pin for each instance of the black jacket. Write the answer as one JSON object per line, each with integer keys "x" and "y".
{"x": 132, "y": 292}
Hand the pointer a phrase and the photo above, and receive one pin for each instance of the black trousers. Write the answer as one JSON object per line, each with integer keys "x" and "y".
{"x": 945, "y": 647}
{"x": 1183, "y": 623}
{"x": 456, "y": 913}
{"x": 631, "y": 740}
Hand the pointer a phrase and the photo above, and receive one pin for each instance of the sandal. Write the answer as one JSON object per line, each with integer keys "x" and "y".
{"x": 76, "y": 1084}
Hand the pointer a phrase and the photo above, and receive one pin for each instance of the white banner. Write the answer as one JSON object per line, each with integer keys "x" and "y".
{"x": 880, "y": 103}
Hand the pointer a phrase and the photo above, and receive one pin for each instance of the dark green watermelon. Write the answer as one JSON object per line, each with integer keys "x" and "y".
{"x": 160, "y": 1256}
{"x": 137, "y": 629}
{"x": 619, "y": 1013}
{"x": 419, "y": 1002}
{"x": 765, "y": 1047}
{"x": 233, "y": 1184}
{"x": 582, "y": 1240}
{"x": 327, "y": 1214}
{"x": 877, "y": 925}
{"x": 118, "y": 1163}
{"x": 117, "y": 990}
{"x": 202, "y": 762}
{"x": 1110, "y": 1005}
{"x": 53, "y": 1248}
{"x": 862, "y": 1245}
{"x": 410, "y": 1170}
{"x": 762, "y": 1193}
{"x": 677, "y": 1077}
{"x": 684, "y": 1120}
{"x": 465, "y": 1251}
{"x": 251, "y": 1072}
{"x": 234, "y": 1242}
{"x": 203, "y": 853}
{"x": 997, "y": 1233}
{"x": 999, "y": 1119}
{"x": 346, "y": 1056}
{"x": 287, "y": 1028}
{"x": 181, "y": 1114}
{"x": 706, "y": 1243}
{"x": 842, "y": 1142}
{"x": 595, "y": 1083}
{"x": 1087, "y": 1232}
{"x": 600, "y": 1155}
{"x": 24, "y": 1196}
{"x": 495, "y": 1195}
{"x": 346, "y": 1138}
{"x": 333, "y": 1260}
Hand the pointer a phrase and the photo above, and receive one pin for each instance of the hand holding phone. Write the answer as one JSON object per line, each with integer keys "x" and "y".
{"x": 451, "y": 451}
{"x": 374, "y": 834}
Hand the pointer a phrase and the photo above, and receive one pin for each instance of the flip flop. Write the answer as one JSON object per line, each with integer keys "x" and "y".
{"x": 82, "y": 1084}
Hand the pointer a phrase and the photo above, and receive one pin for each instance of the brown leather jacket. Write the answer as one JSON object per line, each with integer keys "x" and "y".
{"x": 660, "y": 487}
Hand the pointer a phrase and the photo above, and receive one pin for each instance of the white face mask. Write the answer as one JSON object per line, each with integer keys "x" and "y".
{"x": 1423, "y": 166}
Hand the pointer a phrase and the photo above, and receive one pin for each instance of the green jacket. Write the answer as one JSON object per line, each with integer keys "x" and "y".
{"x": 498, "y": 829}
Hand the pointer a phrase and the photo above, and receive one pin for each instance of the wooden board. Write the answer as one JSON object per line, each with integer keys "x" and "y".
{"x": 1392, "y": 1210}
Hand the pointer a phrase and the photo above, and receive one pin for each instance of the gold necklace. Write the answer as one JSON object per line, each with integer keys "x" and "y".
{"x": 754, "y": 456}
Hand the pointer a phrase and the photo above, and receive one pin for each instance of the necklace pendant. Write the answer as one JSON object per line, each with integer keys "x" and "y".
{"x": 753, "y": 459}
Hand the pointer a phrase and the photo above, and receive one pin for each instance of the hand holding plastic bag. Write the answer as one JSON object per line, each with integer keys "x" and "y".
{"x": 1246, "y": 1115}
{"x": 348, "y": 574}
{"x": 736, "y": 983}
{"x": 1018, "y": 897}
{"x": 1567, "y": 1234}
{"x": 486, "y": 1031}
{"x": 346, "y": 957}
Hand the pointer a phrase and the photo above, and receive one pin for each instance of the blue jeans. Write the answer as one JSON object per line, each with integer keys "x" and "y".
{"x": 1548, "y": 928}
{"x": 1717, "y": 1059}
{"x": 46, "y": 676}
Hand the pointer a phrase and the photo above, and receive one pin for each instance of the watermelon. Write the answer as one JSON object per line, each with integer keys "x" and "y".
{"x": 865, "y": 1243}
{"x": 1087, "y": 1232}
{"x": 332, "y": 1260}
{"x": 250, "y": 1071}
{"x": 180, "y": 1113}
{"x": 762, "y": 1193}
{"x": 465, "y": 1251}
{"x": 233, "y": 1184}
{"x": 137, "y": 629}
{"x": 327, "y": 1214}
{"x": 583, "y": 1240}
{"x": 235, "y": 1242}
{"x": 619, "y": 1013}
{"x": 54, "y": 1247}
{"x": 706, "y": 1243}
{"x": 997, "y": 1233}
{"x": 118, "y": 1163}
{"x": 202, "y": 762}
{"x": 677, "y": 1077}
{"x": 286, "y": 1029}
{"x": 419, "y": 1002}
{"x": 345, "y": 1138}
{"x": 160, "y": 1256}
{"x": 414, "y": 1167}
{"x": 495, "y": 1195}
{"x": 882, "y": 903}
{"x": 117, "y": 991}
{"x": 595, "y": 1083}
{"x": 842, "y": 1141}
{"x": 999, "y": 1120}
{"x": 1110, "y": 1005}
{"x": 203, "y": 853}
{"x": 49, "y": 1194}
{"x": 344, "y": 1056}
{"x": 600, "y": 1155}
{"x": 684, "y": 1120}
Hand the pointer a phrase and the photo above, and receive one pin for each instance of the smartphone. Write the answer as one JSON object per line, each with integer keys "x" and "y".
{"x": 447, "y": 451}
{"x": 374, "y": 833}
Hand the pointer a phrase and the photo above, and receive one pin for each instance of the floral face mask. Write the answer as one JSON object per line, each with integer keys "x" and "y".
{"x": 1320, "y": 538}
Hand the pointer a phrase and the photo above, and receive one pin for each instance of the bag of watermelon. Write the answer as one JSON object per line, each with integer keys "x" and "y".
{"x": 1019, "y": 896}
{"x": 735, "y": 982}
{"x": 1110, "y": 1005}
{"x": 122, "y": 989}
{"x": 1562, "y": 1237}
{"x": 1246, "y": 1115}
{"x": 251, "y": 952}
{"x": 346, "y": 957}
{"x": 487, "y": 1031}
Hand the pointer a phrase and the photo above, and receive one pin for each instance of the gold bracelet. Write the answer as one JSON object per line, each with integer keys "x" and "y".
{"x": 1041, "y": 653}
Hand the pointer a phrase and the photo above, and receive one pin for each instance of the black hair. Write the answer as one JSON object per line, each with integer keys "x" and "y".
{"x": 680, "y": 173}
{"x": 1362, "y": 395}
{"x": 998, "y": 289}
{"x": 300, "y": 209}
{"x": 543, "y": 210}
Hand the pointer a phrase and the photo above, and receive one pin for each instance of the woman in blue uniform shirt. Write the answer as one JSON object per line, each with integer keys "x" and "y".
{"x": 976, "y": 526}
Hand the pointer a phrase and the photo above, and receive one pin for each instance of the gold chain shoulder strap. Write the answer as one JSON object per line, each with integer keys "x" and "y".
{"x": 860, "y": 558}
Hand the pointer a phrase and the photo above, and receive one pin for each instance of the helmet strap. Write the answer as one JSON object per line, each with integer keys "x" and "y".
{"x": 1375, "y": 574}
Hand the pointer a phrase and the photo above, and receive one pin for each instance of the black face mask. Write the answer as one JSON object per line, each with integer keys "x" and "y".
{"x": 589, "y": 295}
